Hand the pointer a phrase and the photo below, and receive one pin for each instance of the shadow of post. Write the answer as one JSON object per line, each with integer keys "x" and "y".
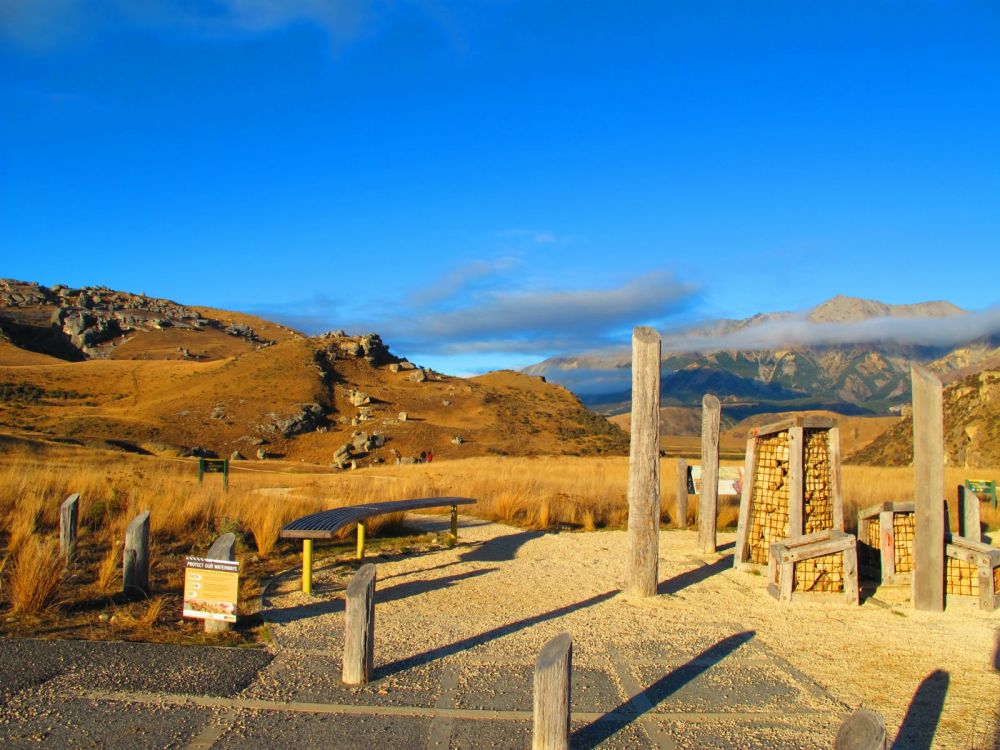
{"x": 601, "y": 729}
{"x": 996, "y": 666}
{"x": 500, "y": 548}
{"x": 691, "y": 577}
{"x": 476, "y": 640}
{"x": 923, "y": 713}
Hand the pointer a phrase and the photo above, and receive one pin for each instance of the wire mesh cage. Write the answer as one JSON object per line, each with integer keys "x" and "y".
{"x": 885, "y": 541}
{"x": 792, "y": 486}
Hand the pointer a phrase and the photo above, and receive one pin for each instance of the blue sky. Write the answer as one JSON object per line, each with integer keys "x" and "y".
{"x": 490, "y": 183}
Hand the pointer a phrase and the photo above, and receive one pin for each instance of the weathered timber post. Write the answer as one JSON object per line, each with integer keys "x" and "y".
{"x": 359, "y": 627}
{"x": 644, "y": 465}
{"x": 862, "y": 730}
{"x": 968, "y": 514}
{"x": 708, "y": 505}
{"x": 135, "y": 557}
{"x": 928, "y": 468}
{"x": 553, "y": 678}
{"x": 69, "y": 513}
{"x": 681, "y": 503}
{"x": 223, "y": 548}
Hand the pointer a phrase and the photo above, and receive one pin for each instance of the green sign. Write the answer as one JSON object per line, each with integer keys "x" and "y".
{"x": 983, "y": 487}
{"x": 214, "y": 466}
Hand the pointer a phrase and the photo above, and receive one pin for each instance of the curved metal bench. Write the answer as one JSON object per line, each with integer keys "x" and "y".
{"x": 326, "y": 524}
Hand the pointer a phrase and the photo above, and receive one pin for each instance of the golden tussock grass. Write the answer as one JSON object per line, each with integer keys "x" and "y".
{"x": 540, "y": 493}
{"x": 35, "y": 575}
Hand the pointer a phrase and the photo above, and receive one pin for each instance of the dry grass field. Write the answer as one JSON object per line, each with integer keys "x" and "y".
{"x": 41, "y": 596}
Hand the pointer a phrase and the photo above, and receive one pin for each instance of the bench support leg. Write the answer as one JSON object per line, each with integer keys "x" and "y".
{"x": 454, "y": 523}
{"x": 307, "y": 566}
{"x": 361, "y": 540}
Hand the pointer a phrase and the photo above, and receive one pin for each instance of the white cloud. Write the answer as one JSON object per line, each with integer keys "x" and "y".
{"x": 41, "y": 24}
{"x": 521, "y": 320}
{"x": 797, "y": 331}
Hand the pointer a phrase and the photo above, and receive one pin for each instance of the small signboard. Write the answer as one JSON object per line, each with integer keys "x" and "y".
{"x": 214, "y": 466}
{"x": 983, "y": 488}
{"x": 211, "y": 589}
{"x": 730, "y": 480}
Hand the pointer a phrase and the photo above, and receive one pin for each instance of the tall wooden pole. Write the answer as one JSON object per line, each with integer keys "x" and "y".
{"x": 928, "y": 469}
{"x": 644, "y": 465}
{"x": 708, "y": 506}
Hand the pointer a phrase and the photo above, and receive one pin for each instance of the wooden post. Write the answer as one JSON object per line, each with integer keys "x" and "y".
{"x": 681, "y": 503}
{"x": 553, "y": 679}
{"x": 69, "y": 513}
{"x": 644, "y": 465}
{"x": 307, "y": 566}
{"x": 359, "y": 627}
{"x": 223, "y": 548}
{"x": 708, "y": 505}
{"x": 968, "y": 514}
{"x": 836, "y": 480}
{"x": 135, "y": 557}
{"x": 887, "y": 545}
{"x": 796, "y": 483}
{"x": 740, "y": 554}
{"x": 928, "y": 467}
{"x": 862, "y": 730}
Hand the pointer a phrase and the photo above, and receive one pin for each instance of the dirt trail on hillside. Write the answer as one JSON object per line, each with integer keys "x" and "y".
{"x": 713, "y": 661}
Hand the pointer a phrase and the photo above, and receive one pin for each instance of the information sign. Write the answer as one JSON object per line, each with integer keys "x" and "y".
{"x": 211, "y": 589}
{"x": 983, "y": 488}
{"x": 730, "y": 480}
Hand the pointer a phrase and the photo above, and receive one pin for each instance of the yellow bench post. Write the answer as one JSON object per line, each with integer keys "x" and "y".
{"x": 361, "y": 540}
{"x": 454, "y": 522}
{"x": 307, "y": 566}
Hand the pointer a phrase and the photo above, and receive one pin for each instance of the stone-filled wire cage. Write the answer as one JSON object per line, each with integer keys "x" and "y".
{"x": 792, "y": 486}
{"x": 972, "y": 569}
{"x": 885, "y": 540}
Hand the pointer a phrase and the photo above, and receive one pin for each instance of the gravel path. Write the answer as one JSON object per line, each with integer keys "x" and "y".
{"x": 712, "y": 662}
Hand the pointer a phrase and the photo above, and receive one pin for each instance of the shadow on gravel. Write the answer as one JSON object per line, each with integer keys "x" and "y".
{"x": 923, "y": 713}
{"x": 691, "y": 577}
{"x": 404, "y": 590}
{"x": 490, "y": 635}
{"x": 603, "y": 728}
{"x": 391, "y": 594}
{"x": 499, "y": 548}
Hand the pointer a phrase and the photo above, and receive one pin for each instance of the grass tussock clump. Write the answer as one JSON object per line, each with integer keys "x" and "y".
{"x": 34, "y": 578}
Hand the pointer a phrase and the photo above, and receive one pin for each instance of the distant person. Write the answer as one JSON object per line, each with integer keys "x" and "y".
{"x": 423, "y": 457}
{"x": 430, "y": 456}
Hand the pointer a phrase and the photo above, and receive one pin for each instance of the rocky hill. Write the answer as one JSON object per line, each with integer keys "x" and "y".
{"x": 866, "y": 378}
{"x": 971, "y": 428}
{"x": 96, "y": 366}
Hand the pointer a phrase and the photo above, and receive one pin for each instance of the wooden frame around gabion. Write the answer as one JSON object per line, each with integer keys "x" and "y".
{"x": 885, "y": 541}
{"x": 972, "y": 569}
{"x": 792, "y": 486}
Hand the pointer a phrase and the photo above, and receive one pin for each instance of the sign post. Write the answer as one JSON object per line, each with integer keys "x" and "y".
{"x": 214, "y": 466}
{"x": 983, "y": 487}
{"x": 211, "y": 589}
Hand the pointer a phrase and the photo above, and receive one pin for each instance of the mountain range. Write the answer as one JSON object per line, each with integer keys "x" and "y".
{"x": 847, "y": 355}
